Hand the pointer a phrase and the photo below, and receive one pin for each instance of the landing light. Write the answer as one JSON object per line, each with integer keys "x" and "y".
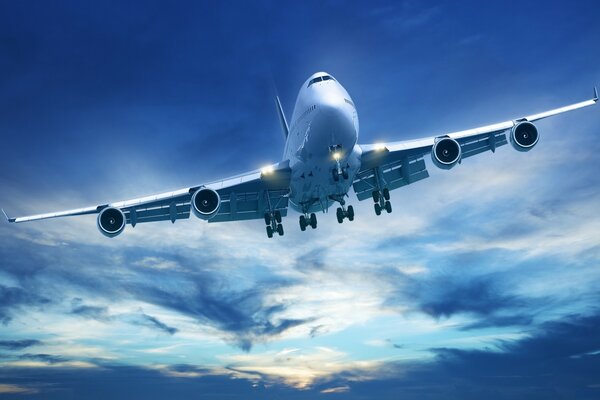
{"x": 336, "y": 155}
{"x": 267, "y": 170}
{"x": 380, "y": 146}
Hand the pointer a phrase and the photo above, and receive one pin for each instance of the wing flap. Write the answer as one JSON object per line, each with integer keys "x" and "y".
{"x": 251, "y": 205}
{"x": 479, "y": 144}
{"x": 392, "y": 175}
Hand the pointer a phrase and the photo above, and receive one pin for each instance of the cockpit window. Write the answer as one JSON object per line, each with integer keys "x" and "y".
{"x": 314, "y": 80}
{"x": 319, "y": 79}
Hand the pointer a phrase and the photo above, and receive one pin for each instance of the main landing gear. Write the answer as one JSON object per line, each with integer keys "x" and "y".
{"x": 343, "y": 212}
{"x": 308, "y": 220}
{"x": 273, "y": 222}
{"x": 382, "y": 201}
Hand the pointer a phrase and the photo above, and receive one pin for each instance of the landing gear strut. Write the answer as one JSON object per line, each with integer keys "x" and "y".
{"x": 273, "y": 222}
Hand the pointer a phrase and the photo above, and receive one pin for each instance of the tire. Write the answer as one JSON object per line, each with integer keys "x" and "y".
{"x": 375, "y": 195}
{"x": 350, "y": 213}
{"x": 336, "y": 175}
{"x": 345, "y": 173}
{"x": 388, "y": 207}
{"x": 313, "y": 221}
{"x": 267, "y": 219}
{"x": 302, "y": 223}
{"x": 340, "y": 215}
{"x": 269, "y": 231}
{"x": 386, "y": 193}
{"x": 278, "y": 216}
{"x": 377, "y": 209}
{"x": 280, "y": 229}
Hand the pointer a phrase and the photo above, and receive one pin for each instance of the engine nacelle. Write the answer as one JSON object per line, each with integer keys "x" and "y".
{"x": 446, "y": 152}
{"x": 205, "y": 203}
{"x": 524, "y": 136}
{"x": 111, "y": 221}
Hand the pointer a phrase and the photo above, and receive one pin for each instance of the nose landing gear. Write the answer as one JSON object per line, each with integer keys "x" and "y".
{"x": 339, "y": 171}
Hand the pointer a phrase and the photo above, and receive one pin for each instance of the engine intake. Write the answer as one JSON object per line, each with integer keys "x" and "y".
{"x": 205, "y": 203}
{"x": 111, "y": 221}
{"x": 446, "y": 153}
{"x": 524, "y": 136}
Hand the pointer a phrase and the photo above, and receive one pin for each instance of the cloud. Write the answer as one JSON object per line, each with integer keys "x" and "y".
{"x": 153, "y": 322}
{"x": 447, "y": 295}
{"x": 6, "y": 388}
{"x": 19, "y": 344}
{"x": 99, "y": 313}
{"x": 47, "y": 358}
{"x": 12, "y": 298}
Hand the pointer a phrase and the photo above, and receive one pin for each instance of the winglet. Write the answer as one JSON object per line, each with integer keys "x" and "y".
{"x": 6, "y": 216}
{"x": 595, "y": 94}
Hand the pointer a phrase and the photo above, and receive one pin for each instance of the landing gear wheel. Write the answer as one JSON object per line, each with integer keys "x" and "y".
{"x": 336, "y": 175}
{"x": 345, "y": 173}
{"x": 278, "y": 216}
{"x": 377, "y": 209}
{"x": 270, "y": 231}
{"x": 302, "y": 223}
{"x": 280, "y": 229}
{"x": 267, "y": 219}
{"x": 388, "y": 207}
{"x": 340, "y": 215}
{"x": 313, "y": 221}
{"x": 350, "y": 213}
{"x": 375, "y": 195}
{"x": 386, "y": 193}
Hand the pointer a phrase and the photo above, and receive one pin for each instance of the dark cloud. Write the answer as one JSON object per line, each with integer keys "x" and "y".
{"x": 99, "y": 313}
{"x": 12, "y": 298}
{"x": 446, "y": 295}
{"x": 208, "y": 298}
{"x": 18, "y": 344}
{"x": 153, "y": 322}
{"x": 49, "y": 358}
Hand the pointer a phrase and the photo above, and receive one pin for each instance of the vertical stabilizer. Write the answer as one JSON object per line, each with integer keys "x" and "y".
{"x": 284, "y": 125}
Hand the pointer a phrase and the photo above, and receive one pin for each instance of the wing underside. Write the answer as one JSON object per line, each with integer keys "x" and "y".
{"x": 396, "y": 164}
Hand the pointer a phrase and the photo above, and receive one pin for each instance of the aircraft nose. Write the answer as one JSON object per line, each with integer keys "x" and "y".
{"x": 335, "y": 119}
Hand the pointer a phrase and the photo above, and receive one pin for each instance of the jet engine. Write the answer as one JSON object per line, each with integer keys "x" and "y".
{"x": 524, "y": 136}
{"x": 446, "y": 152}
{"x": 205, "y": 203}
{"x": 111, "y": 221}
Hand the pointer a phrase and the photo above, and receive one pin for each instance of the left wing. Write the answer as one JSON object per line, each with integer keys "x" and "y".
{"x": 242, "y": 197}
{"x": 388, "y": 166}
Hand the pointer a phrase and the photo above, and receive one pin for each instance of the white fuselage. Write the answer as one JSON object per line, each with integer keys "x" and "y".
{"x": 324, "y": 126}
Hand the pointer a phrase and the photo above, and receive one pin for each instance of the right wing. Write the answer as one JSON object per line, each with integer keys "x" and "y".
{"x": 396, "y": 164}
{"x": 243, "y": 197}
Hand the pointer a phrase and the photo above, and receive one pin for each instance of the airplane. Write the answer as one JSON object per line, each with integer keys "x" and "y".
{"x": 322, "y": 159}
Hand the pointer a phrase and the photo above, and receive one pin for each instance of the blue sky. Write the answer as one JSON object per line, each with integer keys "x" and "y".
{"x": 483, "y": 282}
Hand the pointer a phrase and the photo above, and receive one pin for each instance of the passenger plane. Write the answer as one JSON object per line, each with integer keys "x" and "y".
{"x": 322, "y": 161}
